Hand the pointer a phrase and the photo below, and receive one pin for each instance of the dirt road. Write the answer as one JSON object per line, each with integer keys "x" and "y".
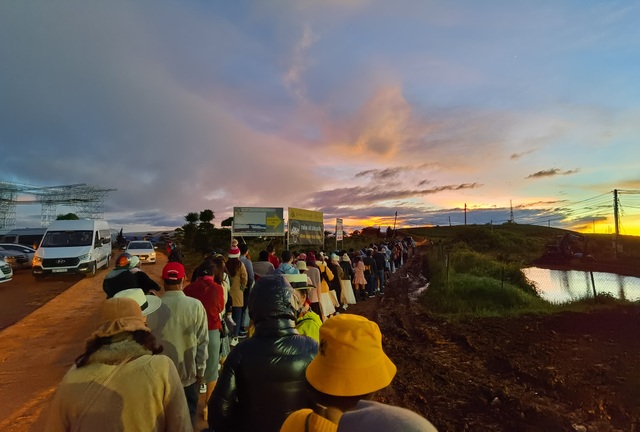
{"x": 23, "y": 294}
{"x": 37, "y": 351}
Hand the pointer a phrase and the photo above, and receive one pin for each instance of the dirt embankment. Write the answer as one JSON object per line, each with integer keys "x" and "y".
{"x": 566, "y": 372}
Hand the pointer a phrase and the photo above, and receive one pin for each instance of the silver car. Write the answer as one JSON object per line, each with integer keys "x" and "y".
{"x": 17, "y": 254}
{"x": 6, "y": 274}
{"x": 143, "y": 249}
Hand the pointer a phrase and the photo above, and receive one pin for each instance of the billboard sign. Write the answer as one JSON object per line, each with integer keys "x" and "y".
{"x": 258, "y": 221}
{"x": 306, "y": 227}
{"x": 339, "y": 232}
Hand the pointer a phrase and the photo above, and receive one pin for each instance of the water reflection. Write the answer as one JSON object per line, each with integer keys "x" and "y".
{"x": 560, "y": 286}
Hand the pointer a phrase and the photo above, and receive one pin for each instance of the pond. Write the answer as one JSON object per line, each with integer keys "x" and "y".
{"x": 559, "y": 286}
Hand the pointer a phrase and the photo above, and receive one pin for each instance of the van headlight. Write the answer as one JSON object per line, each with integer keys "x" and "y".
{"x": 85, "y": 257}
{"x": 36, "y": 260}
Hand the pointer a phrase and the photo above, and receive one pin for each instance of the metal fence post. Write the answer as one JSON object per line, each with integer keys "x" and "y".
{"x": 446, "y": 264}
{"x": 593, "y": 284}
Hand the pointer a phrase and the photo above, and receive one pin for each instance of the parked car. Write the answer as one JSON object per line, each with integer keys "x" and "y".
{"x": 144, "y": 250}
{"x": 17, "y": 254}
{"x": 6, "y": 273}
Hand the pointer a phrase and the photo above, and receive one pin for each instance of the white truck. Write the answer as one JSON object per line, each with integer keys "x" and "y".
{"x": 73, "y": 246}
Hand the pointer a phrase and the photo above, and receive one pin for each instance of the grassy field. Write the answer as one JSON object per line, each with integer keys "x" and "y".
{"x": 476, "y": 270}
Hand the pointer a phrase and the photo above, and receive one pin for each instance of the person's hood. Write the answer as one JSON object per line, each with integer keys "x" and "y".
{"x": 116, "y": 352}
{"x": 271, "y": 298}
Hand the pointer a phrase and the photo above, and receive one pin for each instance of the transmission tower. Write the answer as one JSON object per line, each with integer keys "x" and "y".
{"x": 8, "y": 195}
{"x": 87, "y": 200}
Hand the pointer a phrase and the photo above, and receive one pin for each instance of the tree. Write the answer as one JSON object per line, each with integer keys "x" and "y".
{"x": 190, "y": 228}
{"x": 68, "y": 216}
{"x": 192, "y": 218}
{"x": 227, "y": 222}
{"x": 206, "y": 216}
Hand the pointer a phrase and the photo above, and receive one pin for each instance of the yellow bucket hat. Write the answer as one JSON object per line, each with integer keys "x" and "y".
{"x": 350, "y": 360}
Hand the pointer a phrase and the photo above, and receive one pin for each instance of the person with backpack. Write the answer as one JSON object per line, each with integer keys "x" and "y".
{"x": 370, "y": 273}
{"x": 262, "y": 380}
{"x": 327, "y": 304}
{"x": 211, "y": 295}
{"x": 343, "y": 380}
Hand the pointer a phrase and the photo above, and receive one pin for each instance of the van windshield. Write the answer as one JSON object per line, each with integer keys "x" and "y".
{"x": 67, "y": 238}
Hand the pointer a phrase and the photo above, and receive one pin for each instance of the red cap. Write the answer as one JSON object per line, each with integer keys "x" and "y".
{"x": 173, "y": 271}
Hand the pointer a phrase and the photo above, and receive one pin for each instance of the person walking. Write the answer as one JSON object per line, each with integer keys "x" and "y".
{"x": 381, "y": 265}
{"x": 370, "y": 272}
{"x": 327, "y": 305}
{"x": 359, "y": 279}
{"x": 245, "y": 258}
{"x": 239, "y": 279}
{"x": 180, "y": 324}
{"x": 262, "y": 267}
{"x": 313, "y": 273}
{"x": 126, "y": 275}
{"x": 335, "y": 284}
{"x": 262, "y": 380}
{"x": 344, "y": 378}
{"x": 120, "y": 382}
{"x": 348, "y": 274}
{"x": 211, "y": 295}
{"x": 308, "y": 322}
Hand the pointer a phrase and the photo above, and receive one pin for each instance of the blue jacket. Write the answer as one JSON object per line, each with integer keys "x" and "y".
{"x": 286, "y": 268}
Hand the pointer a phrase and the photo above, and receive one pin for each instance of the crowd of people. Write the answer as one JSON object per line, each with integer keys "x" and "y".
{"x": 268, "y": 342}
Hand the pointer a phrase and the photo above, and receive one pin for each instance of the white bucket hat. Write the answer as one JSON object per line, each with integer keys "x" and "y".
{"x": 148, "y": 303}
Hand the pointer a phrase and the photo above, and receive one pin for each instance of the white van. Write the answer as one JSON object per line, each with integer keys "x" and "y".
{"x": 25, "y": 236}
{"x": 73, "y": 246}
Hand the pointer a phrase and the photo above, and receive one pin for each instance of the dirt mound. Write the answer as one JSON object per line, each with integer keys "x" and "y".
{"x": 566, "y": 372}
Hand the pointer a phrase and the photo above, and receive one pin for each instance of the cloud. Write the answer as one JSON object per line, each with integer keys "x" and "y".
{"x": 357, "y": 196}
{"x": 293, "y": 78}
{"x": 552, "y": 172}
{"x": 515, "y": 156}
{"x": 381, "y": 174}
{"x": 538, "y": 204}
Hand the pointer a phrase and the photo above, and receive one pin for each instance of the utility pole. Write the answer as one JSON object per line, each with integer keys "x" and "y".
{"x": 616, "y": 215}
{"x": 465, "y": 214}
{"x": 394, "y": 224}
{"x": 615, "y": 219}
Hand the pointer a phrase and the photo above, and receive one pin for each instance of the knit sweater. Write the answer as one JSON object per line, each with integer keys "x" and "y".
{"x": 142, "y": 394}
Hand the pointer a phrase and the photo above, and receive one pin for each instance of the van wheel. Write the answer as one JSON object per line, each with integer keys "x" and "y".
{"x": 93, "y": 270}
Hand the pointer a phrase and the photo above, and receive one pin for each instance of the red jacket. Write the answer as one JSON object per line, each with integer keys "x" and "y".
{"x": 274, "y": 260}
{"x": 211, "y": 295}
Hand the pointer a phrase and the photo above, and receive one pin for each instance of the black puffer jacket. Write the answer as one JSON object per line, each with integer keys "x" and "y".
{"x": 263, "y": 379}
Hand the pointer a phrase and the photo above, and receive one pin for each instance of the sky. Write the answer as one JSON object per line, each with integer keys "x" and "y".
{"x": 355, "y": 108}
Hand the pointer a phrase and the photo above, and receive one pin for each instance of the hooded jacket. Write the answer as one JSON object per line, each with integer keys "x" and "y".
{"x": 263, "y": 379}
{"x": 309, "y": 325}
{"x": 143, "y": 393}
